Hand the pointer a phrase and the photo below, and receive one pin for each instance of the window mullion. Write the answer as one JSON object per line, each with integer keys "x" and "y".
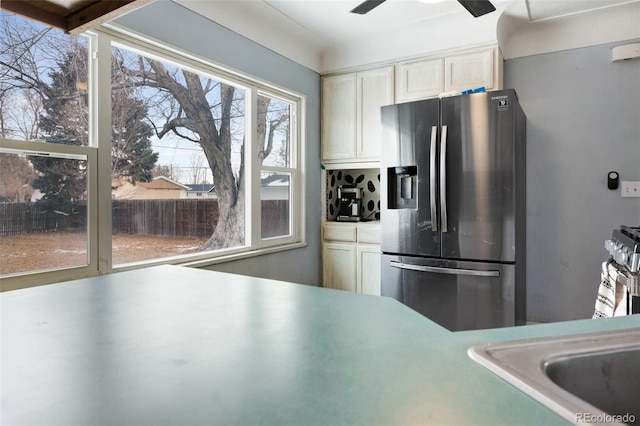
{"x": 101, "y": 92}
{"x": 252, "y": 172}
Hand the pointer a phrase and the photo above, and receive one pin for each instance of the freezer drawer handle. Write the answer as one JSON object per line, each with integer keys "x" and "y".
{"x": 432, "y": 172}
{"x": 442, "y": 270}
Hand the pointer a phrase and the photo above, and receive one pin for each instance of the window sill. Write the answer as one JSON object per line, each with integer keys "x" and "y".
{"x": 200, "y": 263}
{"x": 243, "y": 255}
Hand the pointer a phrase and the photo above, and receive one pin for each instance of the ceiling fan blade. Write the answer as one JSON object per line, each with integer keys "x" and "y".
{"x": 477, "y": 7}
{"x": 366, "y": 6}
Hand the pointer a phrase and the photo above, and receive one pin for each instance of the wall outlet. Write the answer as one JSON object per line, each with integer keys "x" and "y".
{"x": 630, "y": 189}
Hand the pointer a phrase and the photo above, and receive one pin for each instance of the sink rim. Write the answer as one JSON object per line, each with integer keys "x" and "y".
{"x": 522, "y": 363}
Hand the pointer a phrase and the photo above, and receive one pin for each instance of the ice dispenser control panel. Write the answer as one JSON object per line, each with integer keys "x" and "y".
{"x": 403, "y": 187}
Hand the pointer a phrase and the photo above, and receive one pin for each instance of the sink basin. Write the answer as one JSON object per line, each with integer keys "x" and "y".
{"x": 586, "y": 378}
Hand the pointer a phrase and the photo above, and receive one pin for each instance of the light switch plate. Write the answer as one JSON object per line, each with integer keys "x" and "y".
{"x": 630, "y": 189}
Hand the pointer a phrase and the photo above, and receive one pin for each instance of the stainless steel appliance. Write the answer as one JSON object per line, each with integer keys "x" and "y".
{"x": 350, "y": 203}
{"x": 453, "y": 209}
{"x": 624, "y": 248}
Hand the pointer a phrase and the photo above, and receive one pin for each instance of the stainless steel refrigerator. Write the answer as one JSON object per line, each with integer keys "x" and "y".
{"x": 453, "y": 209}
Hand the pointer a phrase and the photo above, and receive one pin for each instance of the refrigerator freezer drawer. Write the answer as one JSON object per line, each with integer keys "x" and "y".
{"x": 459, "y": 295}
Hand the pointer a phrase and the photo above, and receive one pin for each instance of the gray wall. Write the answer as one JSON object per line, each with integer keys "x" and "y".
{"x": 173, "y": 24}
{"x": 583, "y": 120}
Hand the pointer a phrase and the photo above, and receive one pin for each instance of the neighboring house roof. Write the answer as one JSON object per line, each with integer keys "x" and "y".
{"x": 162, "y": 182}
{"x": 196, "y": 187}
{"x": 159, "y": 188}
{"x": 275, "y": 180}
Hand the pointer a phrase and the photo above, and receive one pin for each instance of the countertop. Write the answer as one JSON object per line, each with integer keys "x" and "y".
{"x": 172, "y": 345}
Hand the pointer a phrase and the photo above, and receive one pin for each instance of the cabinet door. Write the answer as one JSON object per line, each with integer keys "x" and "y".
{"x": 369, "y": 269}
{"x": 339, "y": 117}
{"x": 339, "y": 266}
{"x": 469, "y": 71}
{"x": 419, "y": 79}
{"x": 375, "y": 88}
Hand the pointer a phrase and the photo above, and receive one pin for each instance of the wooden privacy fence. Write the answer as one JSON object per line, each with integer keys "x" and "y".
{"x": 175, "y": 218}
{"x": 170, "y": 218}
{"x": 25, "y": 218}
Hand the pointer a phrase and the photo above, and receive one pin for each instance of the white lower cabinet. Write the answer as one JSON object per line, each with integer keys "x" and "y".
{"x": 368, "y": 274}
{"x": 339, "y": 266}
{"x": 351, "y": 257}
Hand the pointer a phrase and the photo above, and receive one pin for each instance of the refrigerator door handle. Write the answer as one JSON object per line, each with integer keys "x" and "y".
{"x": 432, "y": 180}
{"x": 443, "y": 179}
{"x": 444, "y": 270}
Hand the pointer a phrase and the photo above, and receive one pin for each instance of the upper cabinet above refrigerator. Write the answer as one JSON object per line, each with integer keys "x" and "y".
{"x": 429, "y": 77}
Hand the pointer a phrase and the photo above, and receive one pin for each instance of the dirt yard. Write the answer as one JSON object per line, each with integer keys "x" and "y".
{"x": 29, "y": 252}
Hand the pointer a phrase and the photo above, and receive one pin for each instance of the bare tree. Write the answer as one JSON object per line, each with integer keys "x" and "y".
{"x": 163, "y": 170}
{"x": 198, "y": 173}
{"x": 19, "y": 112}
{"x": 23, "y": 49}
{"x": 204, "y": 111}
{"x": 16, "y": 175}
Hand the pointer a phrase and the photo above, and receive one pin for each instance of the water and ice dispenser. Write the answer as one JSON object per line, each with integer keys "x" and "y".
{"x": 403, "y": 187}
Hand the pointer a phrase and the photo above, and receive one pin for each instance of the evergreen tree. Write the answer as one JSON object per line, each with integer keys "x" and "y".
{"x": 132, "y": 155}
{"x": 65, "y": 121}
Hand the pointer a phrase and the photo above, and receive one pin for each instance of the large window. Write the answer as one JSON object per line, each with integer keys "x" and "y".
{"x": 199, "y": 163}
{"x": 52, "y": 232}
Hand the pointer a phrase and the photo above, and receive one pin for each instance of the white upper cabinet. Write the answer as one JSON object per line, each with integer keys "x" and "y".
{"x": 469, "y": 71}
{"x": 419, "y": 79}
{"x": 374, "y": 89}
{"x": 338, "y": 130}
{"x": 429, "y": 77}
{"x": 351, "y": 114}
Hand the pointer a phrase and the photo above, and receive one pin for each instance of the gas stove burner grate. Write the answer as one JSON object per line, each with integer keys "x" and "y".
{"x": 632, "y": 232}
{"x": 624, "y": 247}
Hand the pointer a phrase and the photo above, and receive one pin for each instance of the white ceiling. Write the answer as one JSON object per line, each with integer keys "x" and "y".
{"x": 313, "y": 28}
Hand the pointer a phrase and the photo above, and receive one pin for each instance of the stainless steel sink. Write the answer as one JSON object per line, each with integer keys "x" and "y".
{"x": 587, "y": 378}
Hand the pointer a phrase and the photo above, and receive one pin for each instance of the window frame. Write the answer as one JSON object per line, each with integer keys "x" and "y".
{"x": 98, "y": 153}
{"x": 294, "y": 163}
{"x": 29, "y": 279}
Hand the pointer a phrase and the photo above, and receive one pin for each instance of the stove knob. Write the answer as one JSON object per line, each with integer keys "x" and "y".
{"x": 622, "y": 256}
{"x": 607, "y": 245}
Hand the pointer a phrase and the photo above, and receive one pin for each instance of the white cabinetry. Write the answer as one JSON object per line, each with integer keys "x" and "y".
{"x": 368, "y": 273}
{"x": 374, "y": 89}
{"x": 339, "y": 266}
{"x": 428, "y": 77}
{"x": 419, "y": 79}
{"x": 351, "y": 114}
{"x": 351, "y": 257}
{"x": 468, "y": 71}
{"x": 338, "y": 129}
